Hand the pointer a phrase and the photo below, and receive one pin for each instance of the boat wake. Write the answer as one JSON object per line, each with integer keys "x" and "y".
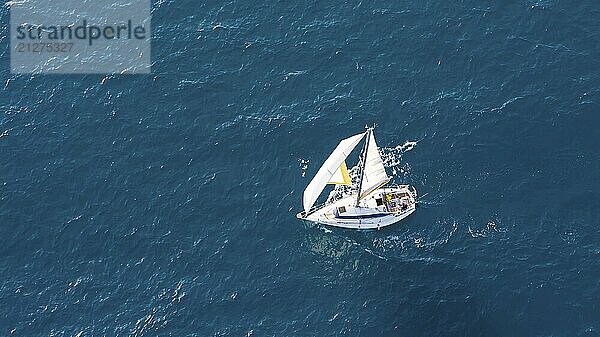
{"x": 392, "y": 157}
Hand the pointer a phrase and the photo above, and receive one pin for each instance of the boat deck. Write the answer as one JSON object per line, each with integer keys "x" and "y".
{"x": 397, "y": 202}
{"x": 382, "y": 208}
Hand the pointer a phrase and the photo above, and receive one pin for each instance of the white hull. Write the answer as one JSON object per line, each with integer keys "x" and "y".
{"x": 383, "y": 207}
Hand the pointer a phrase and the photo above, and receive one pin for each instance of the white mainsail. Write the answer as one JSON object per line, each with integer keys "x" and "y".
{"x": 374, "y": 175}
{"x": 329, "y": 168}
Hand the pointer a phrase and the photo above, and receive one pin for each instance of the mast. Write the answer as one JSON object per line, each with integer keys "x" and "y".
{"x": 362, "y": 166}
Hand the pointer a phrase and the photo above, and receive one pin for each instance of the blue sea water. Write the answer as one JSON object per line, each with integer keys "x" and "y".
{"x": 164, "y": 204}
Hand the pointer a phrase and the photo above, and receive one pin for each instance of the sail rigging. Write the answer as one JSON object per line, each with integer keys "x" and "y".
{"x": 334, "y": 170}
{"x": 373, "y": 171}
{"x": 362, "y": 166}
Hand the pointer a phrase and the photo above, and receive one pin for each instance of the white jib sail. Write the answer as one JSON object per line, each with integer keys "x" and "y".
{"x": 374, "y": 175}
{"x": 329, "y": 168}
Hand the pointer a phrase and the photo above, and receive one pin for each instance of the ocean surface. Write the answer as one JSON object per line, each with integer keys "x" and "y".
{"x": 164, "y": 204}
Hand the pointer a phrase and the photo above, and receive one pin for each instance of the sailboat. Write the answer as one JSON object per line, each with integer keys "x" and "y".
{"x": 369, "y": 204}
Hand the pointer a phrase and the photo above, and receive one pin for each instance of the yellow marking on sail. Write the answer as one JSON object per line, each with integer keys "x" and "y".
{"x": 341, "y": 176}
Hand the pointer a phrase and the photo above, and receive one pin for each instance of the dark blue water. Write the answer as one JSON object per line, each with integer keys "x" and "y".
{"x": 164, "y": 205}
